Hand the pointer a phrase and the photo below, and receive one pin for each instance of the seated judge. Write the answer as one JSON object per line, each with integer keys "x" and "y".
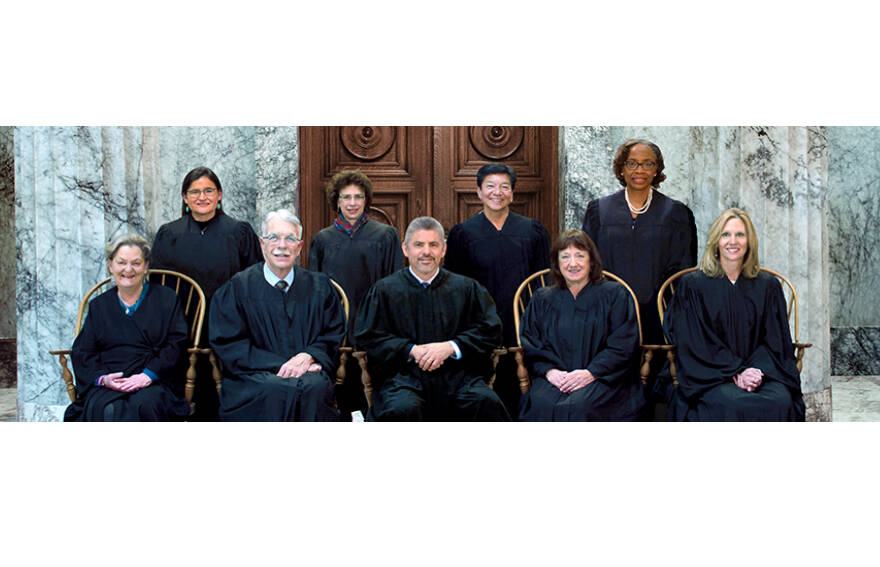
{"x": 129, "y": 357}
{"x": 580, "y": 341}
{"x": 499, "y": 249}
{"x": 276, "y": 329}
{"x": 734, "y": 352}
{"x": 429, "y": 335}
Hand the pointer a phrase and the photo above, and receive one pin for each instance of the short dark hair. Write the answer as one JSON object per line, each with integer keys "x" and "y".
{"x": 581, "y": 241}
{"x": 499, "y": 168}
{"x": 194, "y": 175}
{"x": 345, "y": 178}
{"x": 623, "y": 154}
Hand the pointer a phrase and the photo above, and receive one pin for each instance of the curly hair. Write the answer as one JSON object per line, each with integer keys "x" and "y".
{"x": 342, "y": 180}
{"x": 623, "y": 154}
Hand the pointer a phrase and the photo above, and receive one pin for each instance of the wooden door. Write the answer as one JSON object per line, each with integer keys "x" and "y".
{"x": 423, "y": 170}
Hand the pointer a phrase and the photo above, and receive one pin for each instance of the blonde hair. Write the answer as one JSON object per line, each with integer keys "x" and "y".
{"x": 711, "y": 265}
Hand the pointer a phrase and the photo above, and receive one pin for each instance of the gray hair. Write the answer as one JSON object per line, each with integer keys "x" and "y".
{"x": 286, "y": 216}
{"x": 130, "y": 239}
{"x": 424, "y": 223}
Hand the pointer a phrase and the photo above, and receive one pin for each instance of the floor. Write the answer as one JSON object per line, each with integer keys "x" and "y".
{"x": 853, "y": 398}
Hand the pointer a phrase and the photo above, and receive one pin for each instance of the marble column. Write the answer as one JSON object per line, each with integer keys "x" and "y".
{"x": 778, "y": 175}
{"x": 854, "y": 215}
{"x": 76, "y": 188}
{"x": 7, "y": 260}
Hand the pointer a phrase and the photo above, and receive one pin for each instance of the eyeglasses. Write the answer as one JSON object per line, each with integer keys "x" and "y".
{"x": 355, "y": 197}
{"x": 196, "y": 192}
{"x": 275, "y": 239}
{"x": 633, "y": 165}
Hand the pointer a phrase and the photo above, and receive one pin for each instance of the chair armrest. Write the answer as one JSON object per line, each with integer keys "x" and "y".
{"x": 525, "y": 382}
{"x": 344, "y": 353}
{"x": 66, "y": 375}
{"x": 367, "y": 381}
{"x": 496, "y": 354}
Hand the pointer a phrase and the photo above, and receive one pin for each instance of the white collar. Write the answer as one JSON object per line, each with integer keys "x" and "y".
{"x": 273, "y": 279}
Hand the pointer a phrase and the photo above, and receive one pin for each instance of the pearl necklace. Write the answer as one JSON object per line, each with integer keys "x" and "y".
{"x": 641, "y": 209}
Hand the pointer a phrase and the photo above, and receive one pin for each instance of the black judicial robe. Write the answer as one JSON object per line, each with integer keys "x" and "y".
{"x": 210, "y": 256}
{"x": 356, "y": 261}
{"x": 398, "y": 313}
{"x": 596, "y": 331}
{"x": 722, "y": 328}
{"x": 154, "y": 337}
{"x": 499, "y": 259}
{"x": 643, "y": 251}
{"x": 256, "y": 328}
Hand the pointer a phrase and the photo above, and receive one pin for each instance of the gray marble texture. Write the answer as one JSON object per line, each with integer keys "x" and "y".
{"x": 778, "y": 175}
{"x": 7, "y": 234}
{"x": 78, "y": 187}
{"x": 855, "y": 351}
{"x": 854, "y": 217}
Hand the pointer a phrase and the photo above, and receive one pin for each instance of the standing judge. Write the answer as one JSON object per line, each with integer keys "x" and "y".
{"x": 580, "y": 338}
{"x": 642, "y": 235}
{"x": 210, "y": 247}
{"x": 429, "y": 335}
{"x": 728, "y": 320}
{"x": 276, "y": 328}
{"x": 129, "y": 357}
{"x": 356, "y": 252}
{"x": 499, "y": 249}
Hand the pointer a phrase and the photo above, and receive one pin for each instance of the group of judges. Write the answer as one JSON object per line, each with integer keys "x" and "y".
{"x": 430, "y": 329}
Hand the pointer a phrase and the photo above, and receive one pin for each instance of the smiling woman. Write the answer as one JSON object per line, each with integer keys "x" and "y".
{"x": 128, "y": 357}
{"x": 579, "y": 340}
{"x": 210, "y": 247}
{"x": 734, "y": 352}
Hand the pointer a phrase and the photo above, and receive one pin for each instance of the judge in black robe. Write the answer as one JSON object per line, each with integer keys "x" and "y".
{"x": 596, "y": 330}
{"x": 500, "y": 259}
{"x": 720, "y": 329}
{"x": 210, "y": 247}
{"x": 404, "y": 313}
{"x": 643, "y": 248}
{"x": 257, "y": 330}
{"x": 356, "y": 252}
{"x": 150, "y": 339}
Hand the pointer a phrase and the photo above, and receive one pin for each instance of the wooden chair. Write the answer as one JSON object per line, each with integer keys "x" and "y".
{"x": 524, "y": 294}
{"x": 193, "y": 301}
{"x": 668, "y": 289}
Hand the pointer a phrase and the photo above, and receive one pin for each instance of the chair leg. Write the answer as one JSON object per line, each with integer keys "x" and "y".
{"x": 191, "y": 380}
{"x": 365, "y": 377}
{"x": 68, "y": 378}
{"x": 215, "y": 371}
{"x": 645, "y": 368}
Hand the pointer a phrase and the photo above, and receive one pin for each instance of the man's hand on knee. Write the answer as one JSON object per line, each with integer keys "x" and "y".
{"x": 298, "y": 365}
{"x": 431, "y": 356}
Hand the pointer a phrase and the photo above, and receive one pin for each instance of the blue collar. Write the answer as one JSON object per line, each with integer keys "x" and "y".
{"x": 129, "y": 310}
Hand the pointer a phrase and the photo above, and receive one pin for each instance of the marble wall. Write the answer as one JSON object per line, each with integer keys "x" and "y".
{"x": 778, "y": 175}
{"x": 7, "y": 260}
{"x": 76, "y": 188}
{"x": 853, "y": 217}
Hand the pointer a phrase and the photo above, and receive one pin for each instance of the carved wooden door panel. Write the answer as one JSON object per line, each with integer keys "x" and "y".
{"x": 461, "y": 151}
{"x": 419, "y": 170}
